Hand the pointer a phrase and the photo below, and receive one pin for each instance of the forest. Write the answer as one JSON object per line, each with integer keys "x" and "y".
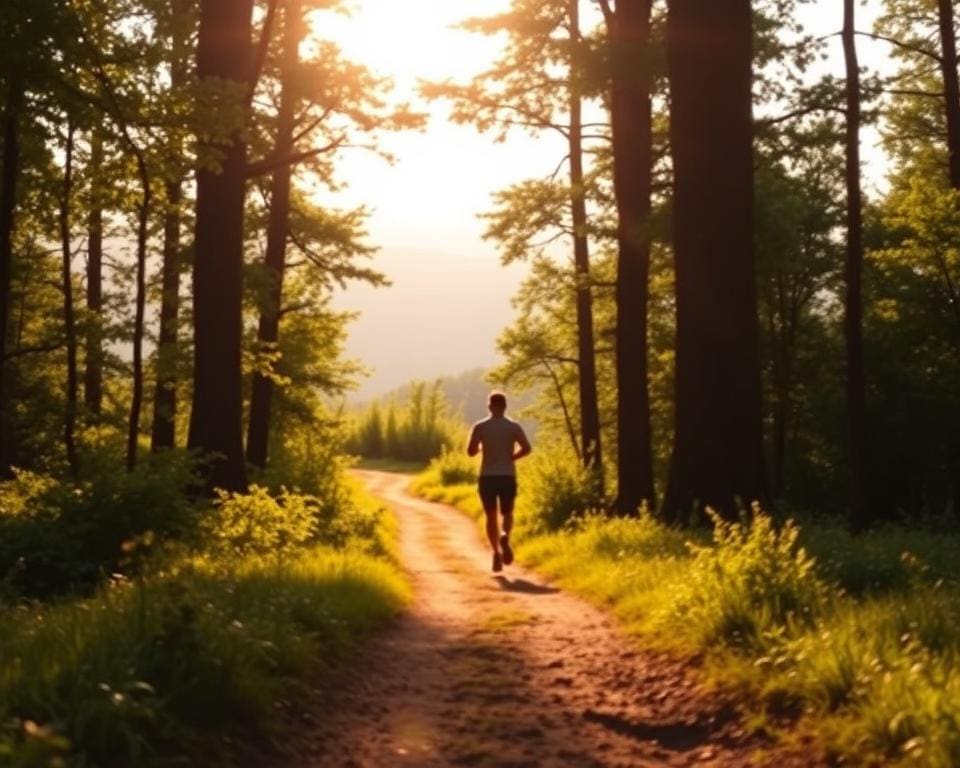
{"x": 737, "y": 338}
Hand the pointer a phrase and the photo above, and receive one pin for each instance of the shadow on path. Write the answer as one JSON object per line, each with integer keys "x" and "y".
{"x": 673, "y": 736}
{"x": 522, "y": 585}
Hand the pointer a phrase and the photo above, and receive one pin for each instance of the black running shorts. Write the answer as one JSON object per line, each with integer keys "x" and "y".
{"x": 497, "y": 487}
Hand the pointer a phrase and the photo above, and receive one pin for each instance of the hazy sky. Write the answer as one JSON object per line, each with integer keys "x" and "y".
{"x": 451, "y": 297}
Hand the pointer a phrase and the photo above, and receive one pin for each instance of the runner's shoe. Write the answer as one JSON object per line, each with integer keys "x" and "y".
{"x": 507, "y": 552}
{"x": 497, "y": 562}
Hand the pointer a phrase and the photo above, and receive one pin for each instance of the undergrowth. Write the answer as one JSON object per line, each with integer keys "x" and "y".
{"x": 195, "y": 636}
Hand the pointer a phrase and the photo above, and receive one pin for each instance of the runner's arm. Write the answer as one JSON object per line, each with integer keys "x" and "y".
{"x": 473, "y": 446}
{"x": 524, "y": 449}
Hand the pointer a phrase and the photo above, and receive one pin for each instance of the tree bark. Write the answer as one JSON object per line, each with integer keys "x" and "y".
{"x": 136, "y": 401}
{"x": 951, "y": 90}
{"x": 717, "y": 458}
{"x": 631, "y": 117}
{"x": 951, "y": 86}
{"x": 268, "y": 332}
{"x": 93, "y": 359}
{"x": 164, "y": 432}
{"x": 69, "y": 319}
{"x": 853, "y": 269}
{"x": 591, "y": 452}
{"x": 223, "y": 52}
{"x": 8, "y": 206}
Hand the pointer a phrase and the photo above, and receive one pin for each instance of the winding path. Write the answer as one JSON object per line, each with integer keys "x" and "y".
{"x": 505, "y": 670}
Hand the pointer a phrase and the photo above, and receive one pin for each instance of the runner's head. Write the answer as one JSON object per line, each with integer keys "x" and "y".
{"x": 497, "y": 403}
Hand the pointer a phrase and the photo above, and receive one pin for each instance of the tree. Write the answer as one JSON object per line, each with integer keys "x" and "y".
{"x": 93, "y": 357}
{"x": 69, "y": 315}
{"x": 631, "y": 113}
{"x": 541, "y": 84}
{"x": 951, "y": 86}
{"x": 853, "y": 275}
{"x": 323, "y": 101}
{"x": 799, "y": 208}
{"x": 8, "y": 203}
{"x": 224, "y": 55}
{"x": 275, "y": 257}
{"x": 717, "y": 456}
{"x": 176, "y": 24}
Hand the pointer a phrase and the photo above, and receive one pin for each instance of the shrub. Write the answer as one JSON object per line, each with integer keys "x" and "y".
{"x": 257, "y": 523}
{"x": 754, "y": 578}
{"x": 454, "y": 468}
{"x": 559, "y": 488}
{"x": 58, "y": 538}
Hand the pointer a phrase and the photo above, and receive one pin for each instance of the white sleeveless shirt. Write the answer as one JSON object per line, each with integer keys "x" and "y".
{"x": 498, "y": 437}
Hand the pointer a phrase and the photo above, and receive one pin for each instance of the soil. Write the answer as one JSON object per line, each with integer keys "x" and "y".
{"x": 506, "y": 670}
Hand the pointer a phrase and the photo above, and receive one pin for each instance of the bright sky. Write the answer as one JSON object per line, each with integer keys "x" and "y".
{"x": 451, "y": 297}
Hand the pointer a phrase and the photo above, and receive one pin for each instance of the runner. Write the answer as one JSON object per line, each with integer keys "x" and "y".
{"x": 502, "y": 442}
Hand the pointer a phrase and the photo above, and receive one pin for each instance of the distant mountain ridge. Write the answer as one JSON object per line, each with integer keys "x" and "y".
{"x": 465, "y": 393}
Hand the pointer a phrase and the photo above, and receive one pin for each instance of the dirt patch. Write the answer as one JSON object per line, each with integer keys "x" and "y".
{"x": 505, "y": 670}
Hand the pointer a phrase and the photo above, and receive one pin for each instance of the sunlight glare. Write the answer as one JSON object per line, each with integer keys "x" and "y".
{"x": 413, "y": 39}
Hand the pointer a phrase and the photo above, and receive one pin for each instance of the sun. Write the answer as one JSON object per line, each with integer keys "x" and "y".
{"x": 412, "y": 39}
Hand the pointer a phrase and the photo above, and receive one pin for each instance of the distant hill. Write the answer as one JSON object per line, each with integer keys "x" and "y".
{"x": 466, "y": 393}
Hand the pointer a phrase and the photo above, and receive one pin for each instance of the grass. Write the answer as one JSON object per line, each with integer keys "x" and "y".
{"x": 860, "y": 637}
{"x": 148, "y": 671}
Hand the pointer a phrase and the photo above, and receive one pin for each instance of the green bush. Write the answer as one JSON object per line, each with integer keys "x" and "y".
{"x": 57, "y": 538}
{"x": 454, "y": 468}
{"x": 256, "y": 523}
{"x": 558, "y": 488}
{"x": 755, "y": 578}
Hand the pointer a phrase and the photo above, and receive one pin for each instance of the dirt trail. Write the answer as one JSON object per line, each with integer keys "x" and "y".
{"x": 505, "y": 670}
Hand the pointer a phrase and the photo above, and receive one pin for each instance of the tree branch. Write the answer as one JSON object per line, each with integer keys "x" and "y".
{"x": 900, "y": 44}
{"x": 269, "y": 164}
{"x": 608, "y": 15}
{"x": 21, "y": 351}
{"x": 260, "y": 55}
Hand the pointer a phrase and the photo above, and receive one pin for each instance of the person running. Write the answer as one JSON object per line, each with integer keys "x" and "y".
{"x": 502, "y": 442}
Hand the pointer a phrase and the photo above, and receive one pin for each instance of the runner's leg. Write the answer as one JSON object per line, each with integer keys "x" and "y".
{"x": 507, "y": 500}
{"x": 508, "y": 494}
{"x": 489, "y": 501}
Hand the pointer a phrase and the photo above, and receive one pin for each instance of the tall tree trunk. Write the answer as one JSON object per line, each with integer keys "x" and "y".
{"x": 164, "y": 432}
{"x": 951, "y": 86}
{"x": 592, "y": 454}
{"x": 853, "y": 302}
{"x": 718, "y": 454}
{"x": 136, "y": 400}
{"x": 268, "y": 333}
{"x": 632, "y": 123}
{"x": 223, "y": 52}
{"x": 951, "y": 90}
{"x": 8, "y": 206}
{"x": 93, "y": 359}
{"x": 69, "y": 319}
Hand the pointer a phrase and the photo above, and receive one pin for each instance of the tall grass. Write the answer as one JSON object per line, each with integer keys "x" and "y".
{"x": 861, "y": 636}
{"x": 193, "y": 644}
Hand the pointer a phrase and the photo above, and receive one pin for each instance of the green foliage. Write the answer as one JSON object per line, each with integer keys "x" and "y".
{"x": 755, "y": 578}
{"x": 419, "y": 429}
{"x": 257, "y": 523}
{"x": 559, "y": 488}
{"x": 56, "y": 538}
{"x": 181, "y": 644}
{"x": 143, "y": 673}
